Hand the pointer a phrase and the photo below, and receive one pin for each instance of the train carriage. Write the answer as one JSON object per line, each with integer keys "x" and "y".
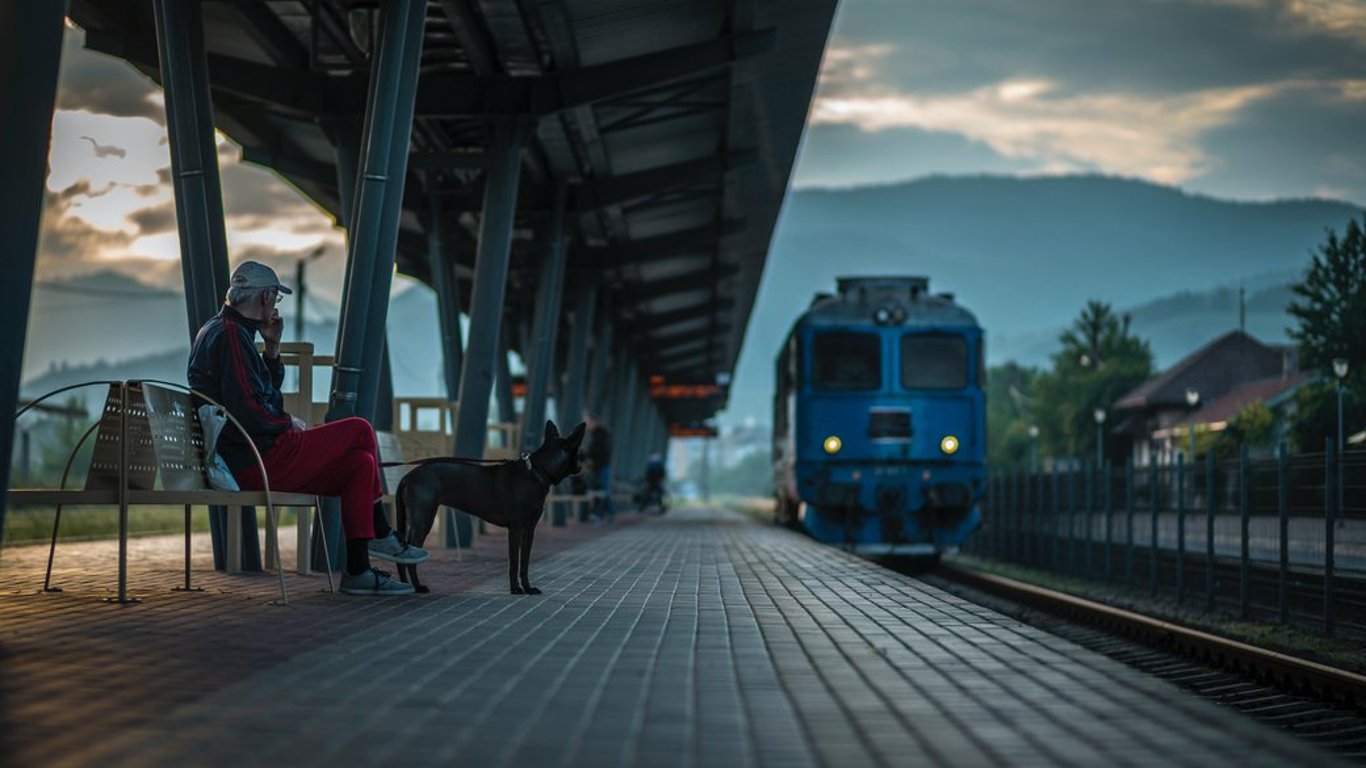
{"x": 879, "y": 435}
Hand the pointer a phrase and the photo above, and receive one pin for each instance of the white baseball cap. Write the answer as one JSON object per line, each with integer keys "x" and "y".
{"x": 254, "y": 274}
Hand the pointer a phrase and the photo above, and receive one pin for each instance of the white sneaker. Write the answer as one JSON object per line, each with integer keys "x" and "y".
{"x": 374, "y": 582}
{"x": 391, "y": 549}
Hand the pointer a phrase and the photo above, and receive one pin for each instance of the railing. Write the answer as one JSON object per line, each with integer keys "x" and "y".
{"x": 1279, "y": 539}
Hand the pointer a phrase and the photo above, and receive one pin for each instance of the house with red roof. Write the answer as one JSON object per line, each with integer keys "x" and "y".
{"x": 1208, "y": 388}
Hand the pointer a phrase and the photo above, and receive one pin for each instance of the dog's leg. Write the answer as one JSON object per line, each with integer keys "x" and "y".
{"x": 408, "y": 575}
{"x": 528, "y": 534}
{"x": 514, "y": 549}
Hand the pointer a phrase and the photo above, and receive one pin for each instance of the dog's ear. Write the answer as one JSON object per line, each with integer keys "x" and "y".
{"x": 550, "y": 430}
{"x": 576, "y": 437}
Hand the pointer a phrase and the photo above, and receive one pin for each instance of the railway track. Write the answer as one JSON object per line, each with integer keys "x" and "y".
{"x": 1319, "y": 703}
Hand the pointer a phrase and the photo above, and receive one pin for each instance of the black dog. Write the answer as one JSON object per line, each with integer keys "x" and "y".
{"x": 510, "y": 494}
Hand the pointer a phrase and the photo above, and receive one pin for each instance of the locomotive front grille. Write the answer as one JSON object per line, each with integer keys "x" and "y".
{"x": 889, "y": 424}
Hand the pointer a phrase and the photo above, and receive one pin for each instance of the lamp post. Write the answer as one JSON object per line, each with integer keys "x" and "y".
{"x": 1192, "y": 400}
{"x": 1099, "y": 415}
{"x": 1033, "y": 444}
{"x": 1340, "y": 370}
{"x": 299, "y": 268}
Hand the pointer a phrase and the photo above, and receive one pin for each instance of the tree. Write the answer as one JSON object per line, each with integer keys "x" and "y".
{"x": 1099, "y": 362}
{"x": 1254, "y": 426}
{"x": 1009, "y": 404}
{"x": 1331, "y": 312}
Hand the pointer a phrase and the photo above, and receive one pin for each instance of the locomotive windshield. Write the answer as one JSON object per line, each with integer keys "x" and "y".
{"x": 934, "y": 361}
{"x": 847, "y": 361}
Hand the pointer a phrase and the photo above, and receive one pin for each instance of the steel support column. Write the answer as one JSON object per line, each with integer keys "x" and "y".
{"x": 625, "y": 413}
{"x": 384, "y": 401}
{"x": 545, "y": 330}
{"x": 600, "y": 382}
{"x": 198, "y": 203}
{"x": 373, "y": 230}
{"x": 490, "y": 280}
{"x": 447, "y": 298}
{"x": 346, "y": 136}
{"x": 570, "y": 405}
{"x": 194, "y": 158}
{"x": 30, "y": 52}
{"x": 507, "y": 406}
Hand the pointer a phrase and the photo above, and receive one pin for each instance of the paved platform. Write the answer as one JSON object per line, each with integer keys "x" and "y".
{"x": 697, "y": 639}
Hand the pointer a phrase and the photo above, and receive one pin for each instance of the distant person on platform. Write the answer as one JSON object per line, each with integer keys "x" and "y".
{"x": 599, "y": 454}
{"x": 654, "y": 483}
{"x": 336, "y": 459}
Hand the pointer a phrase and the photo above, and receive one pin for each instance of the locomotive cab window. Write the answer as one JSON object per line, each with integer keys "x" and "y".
{"x": 841, "y": 360}
{"x": 934, "y": 361}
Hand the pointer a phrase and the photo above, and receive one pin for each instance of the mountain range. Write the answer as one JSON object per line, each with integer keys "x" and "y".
{"x": 1024, "y": 254}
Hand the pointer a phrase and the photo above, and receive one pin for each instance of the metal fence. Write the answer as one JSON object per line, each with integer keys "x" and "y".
{"x": 1279, "y": 539}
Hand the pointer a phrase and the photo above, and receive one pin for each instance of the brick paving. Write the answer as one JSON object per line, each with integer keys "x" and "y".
{"x": 697, "y": 639}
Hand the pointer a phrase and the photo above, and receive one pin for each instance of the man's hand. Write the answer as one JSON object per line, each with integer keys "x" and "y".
{"x": 298, "y": 423}
{"x": 271, "y": 330}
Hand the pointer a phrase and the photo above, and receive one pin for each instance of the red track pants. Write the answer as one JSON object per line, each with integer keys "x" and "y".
{"x": 336, "y": 459}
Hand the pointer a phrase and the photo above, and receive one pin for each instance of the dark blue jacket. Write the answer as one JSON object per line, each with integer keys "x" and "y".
{"x": 225, "y": 365}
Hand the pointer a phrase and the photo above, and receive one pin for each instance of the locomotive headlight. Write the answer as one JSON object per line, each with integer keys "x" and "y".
{"x": 949, "y": 445}
{"x": 882, "y": 316}
{"x": 833, "y": 444}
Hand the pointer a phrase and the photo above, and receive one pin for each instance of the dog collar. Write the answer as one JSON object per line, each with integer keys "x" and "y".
{"x": 535, "y": 470}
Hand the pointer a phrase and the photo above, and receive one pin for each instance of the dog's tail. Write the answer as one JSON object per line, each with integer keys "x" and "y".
{"x": 400, "y": 512}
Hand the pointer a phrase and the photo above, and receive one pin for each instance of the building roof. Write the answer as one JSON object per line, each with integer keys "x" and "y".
{"x": 1212, "y": 370}
{"x": 1268, "y": 391}
{"x": 675, "y": 124}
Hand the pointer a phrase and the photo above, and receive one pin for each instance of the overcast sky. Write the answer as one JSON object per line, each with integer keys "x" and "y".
{"x": 1247, "y": 99}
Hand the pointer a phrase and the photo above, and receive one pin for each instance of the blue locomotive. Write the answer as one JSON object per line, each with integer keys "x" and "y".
{"x": 879, "y": 419}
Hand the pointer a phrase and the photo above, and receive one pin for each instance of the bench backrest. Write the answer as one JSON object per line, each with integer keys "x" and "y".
{"x": 165, "y": 440}
{"x": 104, "y": 464}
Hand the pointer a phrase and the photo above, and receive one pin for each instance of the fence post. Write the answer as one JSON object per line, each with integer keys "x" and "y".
{"x": 1036, "y": 518}
{"x": 1089, "y": 554}
{"x": 1107, "y": 477}
{"x": 1180, "y": 528}
{"x": 1245, "y": 511}
{"x": 1129, "y": 517}
{"x": 1057, "y": 520}
{"x": 1072, "y": 520}
{"x": 1331, "y": 467}
{"x": 1022, "y": 497}
{"x": 1211, "y": 509}
{"x": 1153, "y": 498}
{"x": 1283, "y": 511}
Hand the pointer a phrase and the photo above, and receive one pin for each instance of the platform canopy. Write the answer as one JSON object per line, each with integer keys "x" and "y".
{"x": 674, "y": 125}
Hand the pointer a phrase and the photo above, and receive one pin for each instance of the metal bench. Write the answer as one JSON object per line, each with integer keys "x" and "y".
{"x": 149, "y": 450}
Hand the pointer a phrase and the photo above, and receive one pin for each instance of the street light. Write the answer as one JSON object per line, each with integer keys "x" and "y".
{"x": 1033, "y": 440}
{"x": 1340, "y": 370}
{"x": 1192, "y": 400}
{"x": 299, "y": 286}
{"x": 1099, "y": 415}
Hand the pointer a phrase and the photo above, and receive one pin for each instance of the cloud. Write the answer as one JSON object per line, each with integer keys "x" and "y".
{"x": 154, "y": 219}
{"x": 1130, "y": 87}
{"x": 1154, "y": 138}
{"x": 103, "y": 84}
{"x": 843, "y": 154}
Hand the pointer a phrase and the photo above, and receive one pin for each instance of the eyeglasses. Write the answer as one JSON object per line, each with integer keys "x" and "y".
{"x": 278, "y": 297}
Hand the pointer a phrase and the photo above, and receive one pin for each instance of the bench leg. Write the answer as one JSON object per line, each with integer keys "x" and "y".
{"x": 272, "y": 542}
{"x": 273, "y": 548}
{"x": 187, "y": 587}
{"x": 52, "y": 552}
{"x": 233, "y": 545}
{"x": 123, "y": 558}
{"x": 322, "y": 531}
{"x": 305, "y": 545}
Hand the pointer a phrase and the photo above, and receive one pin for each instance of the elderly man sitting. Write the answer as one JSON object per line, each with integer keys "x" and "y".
{"x": 336, "y": 459}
